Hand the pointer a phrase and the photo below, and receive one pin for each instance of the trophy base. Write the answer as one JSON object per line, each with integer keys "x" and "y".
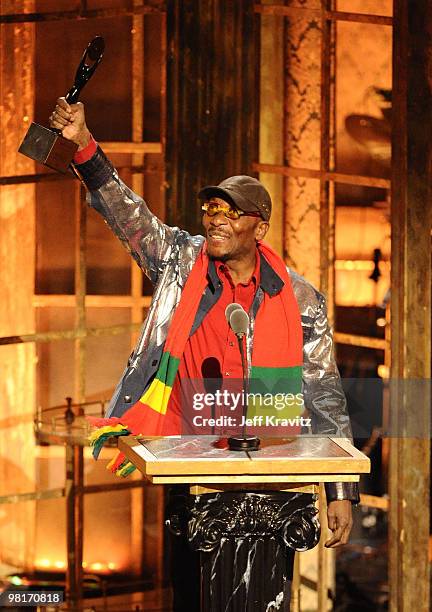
{"x": 243, "y": 443}
{"x": 48, "y": 147}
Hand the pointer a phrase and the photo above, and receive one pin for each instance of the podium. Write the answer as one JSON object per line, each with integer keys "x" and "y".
{"x": 238, "y": 517}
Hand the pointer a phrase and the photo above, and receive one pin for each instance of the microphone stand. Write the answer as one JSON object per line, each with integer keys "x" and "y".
{"x": 243, "y": 442}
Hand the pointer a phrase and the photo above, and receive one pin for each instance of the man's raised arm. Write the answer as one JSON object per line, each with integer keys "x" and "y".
{"x": 148, "y": 240}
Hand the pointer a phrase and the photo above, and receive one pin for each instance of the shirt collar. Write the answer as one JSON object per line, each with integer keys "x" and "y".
{"x": 269, "y": 281}
{"x": 223, "y": 271}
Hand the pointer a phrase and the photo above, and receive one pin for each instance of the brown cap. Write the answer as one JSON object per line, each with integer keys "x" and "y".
{"x": 245, "y": 192}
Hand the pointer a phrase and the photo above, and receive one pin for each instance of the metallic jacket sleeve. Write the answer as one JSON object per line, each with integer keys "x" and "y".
{"x": 324, "y": 396}
{"x": 148, "y": 240}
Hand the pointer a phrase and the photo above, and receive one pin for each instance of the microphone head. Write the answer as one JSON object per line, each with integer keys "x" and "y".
{"x": 239, "y": 321}
{"x": 230, "y": 309}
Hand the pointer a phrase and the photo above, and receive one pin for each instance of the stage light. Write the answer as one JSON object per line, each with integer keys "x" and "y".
{"x": 383, "y": 371}
{"x": 96, "y": 567}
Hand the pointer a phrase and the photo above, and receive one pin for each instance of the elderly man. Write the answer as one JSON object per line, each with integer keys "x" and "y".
{"x": 195, "y": 279}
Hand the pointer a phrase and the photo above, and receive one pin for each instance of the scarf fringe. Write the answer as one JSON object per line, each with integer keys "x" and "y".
{"x": 121, "y": 466}
{"x": 98, "y": 437}
{"x": 126, "y": 470}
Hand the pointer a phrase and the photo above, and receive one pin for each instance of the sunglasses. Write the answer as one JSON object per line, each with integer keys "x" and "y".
{"x": 214, "y": 208}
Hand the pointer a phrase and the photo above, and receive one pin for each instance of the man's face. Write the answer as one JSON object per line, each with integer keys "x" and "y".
{"x": 228, "y": 239}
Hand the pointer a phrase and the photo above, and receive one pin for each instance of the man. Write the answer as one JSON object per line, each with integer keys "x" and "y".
{"x": 195, "y": 278}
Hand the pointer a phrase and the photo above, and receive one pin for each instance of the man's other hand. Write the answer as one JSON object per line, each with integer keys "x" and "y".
{"x": 70, "y": 119}
{"x": 339, "y": 516}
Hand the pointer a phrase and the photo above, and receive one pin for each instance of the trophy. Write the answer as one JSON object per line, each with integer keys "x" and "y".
{"x": 47, "y": 145}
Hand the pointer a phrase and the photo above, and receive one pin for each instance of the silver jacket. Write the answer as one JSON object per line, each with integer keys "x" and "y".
{"x": 166, "y": 255}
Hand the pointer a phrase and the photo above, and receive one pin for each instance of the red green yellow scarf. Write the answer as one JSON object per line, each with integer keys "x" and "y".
{"x": 275, "y": 358}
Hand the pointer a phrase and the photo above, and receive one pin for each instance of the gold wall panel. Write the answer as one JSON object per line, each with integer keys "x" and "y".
{"x": 17, "y": 380}
{"x": 302, "y": 144}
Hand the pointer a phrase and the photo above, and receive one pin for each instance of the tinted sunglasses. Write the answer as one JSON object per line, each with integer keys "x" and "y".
{"x": 213, "y": 208}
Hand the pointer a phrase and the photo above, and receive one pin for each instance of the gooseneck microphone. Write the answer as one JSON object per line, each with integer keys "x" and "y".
{"x": 213, "y": 380}
{"x": 238, "y": 320}
{"x": 230, "y": 309}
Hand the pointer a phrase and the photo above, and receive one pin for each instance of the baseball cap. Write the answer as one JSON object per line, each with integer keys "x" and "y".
{"x": 245, "y": 192}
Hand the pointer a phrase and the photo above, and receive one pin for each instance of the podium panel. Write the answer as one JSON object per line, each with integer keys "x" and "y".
{"x": 200, "y": 460}
{"x": 237, "y": 517}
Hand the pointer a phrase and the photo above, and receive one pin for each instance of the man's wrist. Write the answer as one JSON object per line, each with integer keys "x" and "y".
{"x": 85, "y": 153}
{"x": 341, "y": 491}
{"x": 95, "y": 171}
{"x": 84, "y": 139}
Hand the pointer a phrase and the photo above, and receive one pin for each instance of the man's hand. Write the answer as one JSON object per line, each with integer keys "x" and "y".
{"x": 70, "y": 119}
{"x": 339, "y": 516}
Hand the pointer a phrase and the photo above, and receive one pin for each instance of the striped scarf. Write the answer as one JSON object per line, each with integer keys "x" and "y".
{"x": 272, "y": 370}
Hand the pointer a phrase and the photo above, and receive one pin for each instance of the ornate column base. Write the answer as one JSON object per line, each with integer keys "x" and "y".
{"x": 239, "y": 546}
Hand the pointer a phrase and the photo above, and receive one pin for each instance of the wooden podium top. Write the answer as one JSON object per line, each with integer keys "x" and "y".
{"x": 196, "y": 460}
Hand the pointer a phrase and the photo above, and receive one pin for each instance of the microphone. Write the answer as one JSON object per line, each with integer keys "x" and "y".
{"x": 212, "y": 377}
{"x": 238, "y": 320}
{"x": 230, "y": 309}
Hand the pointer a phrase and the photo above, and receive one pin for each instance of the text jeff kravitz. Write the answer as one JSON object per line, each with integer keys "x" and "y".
{"x": 256, "y": 421}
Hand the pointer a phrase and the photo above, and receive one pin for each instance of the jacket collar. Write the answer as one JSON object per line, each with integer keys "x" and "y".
{"x": 270, "y": 282}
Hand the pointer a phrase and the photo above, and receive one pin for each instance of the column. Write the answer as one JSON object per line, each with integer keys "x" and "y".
{"x": 17, "y": 254}
{"x": 411, "y": 218}
{"x": 246, "y": 543}
{"x": 212, "y": 129}
{"x": 302, "y": 142}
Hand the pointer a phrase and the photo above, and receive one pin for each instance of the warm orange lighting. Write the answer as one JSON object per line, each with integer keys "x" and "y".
{"x": 381, "y": 322}
{"x": 360, "y": 230}
{"x": 47, "y": 563}
{"x": 359, "y": 264}
{"x": 60, "y": 564}
{"x": 383, "y": 371}
{"x": 102, "y": 568}
{"x": 97, "y": 566}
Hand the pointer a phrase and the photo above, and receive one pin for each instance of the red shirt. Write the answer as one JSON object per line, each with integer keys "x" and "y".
{"x": 212, "y": 352}
{"x": 214, "y": 337}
